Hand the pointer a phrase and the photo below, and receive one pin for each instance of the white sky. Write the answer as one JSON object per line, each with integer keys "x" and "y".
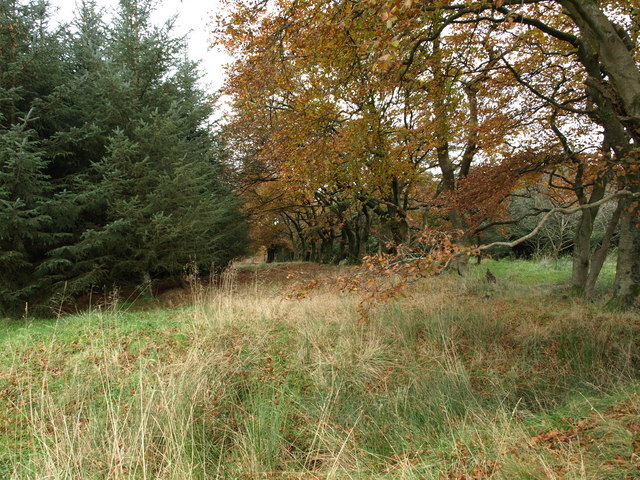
{"x": 194, "y": 18}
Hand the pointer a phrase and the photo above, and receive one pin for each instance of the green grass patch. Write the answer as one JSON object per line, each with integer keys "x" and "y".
{"x": 542, "y": 271}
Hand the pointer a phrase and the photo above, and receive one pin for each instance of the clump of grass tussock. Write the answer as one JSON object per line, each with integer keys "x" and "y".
{"x": 107, "y": 405}
{"x": 447, "y": 383}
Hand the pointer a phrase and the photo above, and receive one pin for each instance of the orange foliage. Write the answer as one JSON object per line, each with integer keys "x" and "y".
{"x": 384, "y": 278}
{"x": 410, "y": 112}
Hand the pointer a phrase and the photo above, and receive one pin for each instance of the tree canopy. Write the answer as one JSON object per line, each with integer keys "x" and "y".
{"x": 355, "y": 120}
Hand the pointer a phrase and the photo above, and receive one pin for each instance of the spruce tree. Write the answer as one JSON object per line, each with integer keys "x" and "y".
{"x": 30, "y": 67}
{"x": 23, "y": 222}
{"x": 159, "y": 180}
{"x": 109, "y": 171}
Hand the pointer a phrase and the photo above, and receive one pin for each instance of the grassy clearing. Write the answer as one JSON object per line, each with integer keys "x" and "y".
{"x": 464, "y": 380}
{"x": 544, "y": 271}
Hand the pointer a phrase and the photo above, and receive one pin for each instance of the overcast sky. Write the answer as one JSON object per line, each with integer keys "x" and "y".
{"x": 194, "y": 16}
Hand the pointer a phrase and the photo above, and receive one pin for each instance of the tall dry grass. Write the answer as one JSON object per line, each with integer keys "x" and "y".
{"x": 450, "y": 383}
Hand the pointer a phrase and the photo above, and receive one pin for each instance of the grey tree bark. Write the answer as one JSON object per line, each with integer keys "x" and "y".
{"x": 627, "y": 283}
{"x": 615, "y": 58}
{"x": 600, "y": 255}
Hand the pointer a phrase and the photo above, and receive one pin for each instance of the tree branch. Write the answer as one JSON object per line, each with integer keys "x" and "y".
{"x": 564, "y": 211}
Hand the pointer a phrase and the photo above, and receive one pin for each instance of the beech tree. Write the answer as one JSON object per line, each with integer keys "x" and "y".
{"x": 334, "y": 122}
{"x": 607, "y": 54}
{"x": 507, "y": 86}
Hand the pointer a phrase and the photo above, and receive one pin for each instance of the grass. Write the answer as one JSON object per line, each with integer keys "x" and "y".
{"x": 544, "y": 271}
{"x": 462, "y": 380}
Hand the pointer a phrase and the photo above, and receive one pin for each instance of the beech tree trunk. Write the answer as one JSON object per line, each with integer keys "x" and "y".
{"x": 598, "y": 258}
{"x": 627, "y": 283}
{"x": 582, "y": 252}
{"x": 271, "y": 254}
{"x": 582, "y": 242}
{"x": 615, "y": 57}
{"x": 613, "y": 53}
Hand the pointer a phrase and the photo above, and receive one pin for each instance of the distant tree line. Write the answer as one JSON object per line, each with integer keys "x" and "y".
{"x": 110, "y": 171}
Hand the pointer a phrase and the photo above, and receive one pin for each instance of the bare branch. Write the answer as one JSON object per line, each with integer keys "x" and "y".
{"x": 561, "y": 106}
{"x": 564, "y": 211}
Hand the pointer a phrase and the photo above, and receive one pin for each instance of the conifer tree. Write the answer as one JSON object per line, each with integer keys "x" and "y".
{"x": 30, "y": 67}
{"x": 23, "y": 221}
{"x": 155, "y": 198}
{"x": 109, "y": 171}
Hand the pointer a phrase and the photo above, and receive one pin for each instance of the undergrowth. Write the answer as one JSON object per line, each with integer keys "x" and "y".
{"x": 462, "y": 380}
